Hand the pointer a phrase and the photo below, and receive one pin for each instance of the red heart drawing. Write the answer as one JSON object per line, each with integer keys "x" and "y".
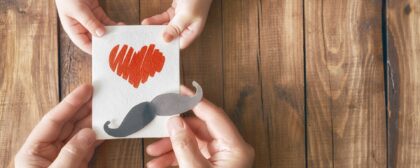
{"x": 136, "y": 67}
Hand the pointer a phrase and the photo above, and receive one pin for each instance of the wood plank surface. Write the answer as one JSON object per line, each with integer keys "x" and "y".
{"x": 127, "y": 11}
{"x": 202, "y": 60}
{"x": 28, "y": 70}
{"x": 345, "y": 84}
{"x": 75, "y": 69}
{"x": 403, "y": 68}
{"x": 282, "y": 69}
{"x": 242, "y": 85}
{"x": 303, "y": 80}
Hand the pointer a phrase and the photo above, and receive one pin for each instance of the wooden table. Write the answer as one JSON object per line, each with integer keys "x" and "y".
{"x": 309, "y": 83}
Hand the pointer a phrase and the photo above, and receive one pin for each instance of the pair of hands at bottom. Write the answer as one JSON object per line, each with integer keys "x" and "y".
{"x": 64, "y": 138}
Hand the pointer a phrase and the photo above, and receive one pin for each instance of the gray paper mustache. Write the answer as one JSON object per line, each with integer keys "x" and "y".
{"x": 163, "y": 105}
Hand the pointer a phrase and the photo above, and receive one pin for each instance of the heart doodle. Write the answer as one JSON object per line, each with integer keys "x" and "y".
{"x": 136, "y": 67}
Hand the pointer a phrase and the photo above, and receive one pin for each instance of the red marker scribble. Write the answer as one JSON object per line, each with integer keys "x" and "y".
{"x": 136, "y": 67}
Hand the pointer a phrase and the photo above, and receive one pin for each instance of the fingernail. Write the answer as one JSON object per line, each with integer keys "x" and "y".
{"x": 175, "y": 125}
{"x": 168, "y": 37}
{"x": 100, "y": 32}
{"x": 148, "y": 149}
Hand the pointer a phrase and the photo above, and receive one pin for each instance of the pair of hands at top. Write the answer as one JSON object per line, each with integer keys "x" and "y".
{"x": 83, "y": 18}
{"x": 64, "y": 138}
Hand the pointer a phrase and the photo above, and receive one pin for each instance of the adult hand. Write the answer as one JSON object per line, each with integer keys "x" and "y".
{"x": 81, "y": 19}
{"x": 185, "y": 18}
{"x": 208, "y": 140}
{"x": 63, "y": 138}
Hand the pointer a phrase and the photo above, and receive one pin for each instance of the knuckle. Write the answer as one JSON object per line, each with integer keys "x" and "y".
{"x": 51, "y": 121}
{"x": 90, "y": 23}
{"x": 184, "y": 142}
{"x": 70, "y": 150}
{"x": 175, "y": 29}
{"x": 32, "y": 150}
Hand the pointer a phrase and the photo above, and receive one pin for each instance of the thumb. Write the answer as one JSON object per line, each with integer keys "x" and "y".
{"x": 184, "y": 144}
{"x": 90, "y": 22}
{"x": 73, "y": 153}
{"x": 175, "y": 27}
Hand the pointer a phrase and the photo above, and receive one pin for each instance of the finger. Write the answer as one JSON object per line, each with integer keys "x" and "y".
{"x": 218, "y": 123}
{"x": 85, "y": 111}
{"x": 186, "y": 91}
{"x": 166, "y": 160}
{"x": 190, "y": 34}
{"x": 78, "y": 34}
{"x": 175, "y": 27}
{"x": 164, "y": 145}
{"x": 66, "y": 131}
{"x": 86, "y": 17}
{"x": 50, "y": 126}
{"x": 84, "y": 123}
{"x": 76, "y": 150}
{"x": 82, "y": 41}
{"x": 159, "y": 147}
{"x": 199, "y": 128}
{"x": 157, "y": 19}
{"x": 70, "y": 127}
{"x": 184, "y": 144}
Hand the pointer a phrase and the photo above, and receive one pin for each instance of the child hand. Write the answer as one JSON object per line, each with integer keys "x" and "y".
{"x": 185, "y": 18}
{"x": 81, "y": 19}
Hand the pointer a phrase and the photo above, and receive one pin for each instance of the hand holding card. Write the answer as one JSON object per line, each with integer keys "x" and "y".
{"x": 131, "y": 67}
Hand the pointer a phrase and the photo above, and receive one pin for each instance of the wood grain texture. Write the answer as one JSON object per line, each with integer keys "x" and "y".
{"x": 28, "y": 70}
{"x": 282, "y": 69}
{"x": 202, "y": 60}
{"x": 126, "y": 11}
{"x": 242, "y": 85}
{"x": 150, "y": 8}
{"x": 345, "y": 84}
{"x": 403, "y": 46}
{"x": 251, "y": 60}
{"x": 75, "y": 69}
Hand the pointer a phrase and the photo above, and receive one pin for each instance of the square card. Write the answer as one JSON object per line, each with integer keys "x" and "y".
{"x": 131, "y": 65}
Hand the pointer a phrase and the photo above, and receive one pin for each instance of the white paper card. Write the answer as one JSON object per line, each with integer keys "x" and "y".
{"x": 113, "y": 95}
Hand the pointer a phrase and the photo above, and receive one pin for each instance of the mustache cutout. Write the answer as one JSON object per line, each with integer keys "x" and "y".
{"x": 172, "y": 103}
{"x": 138, "y": 117}
{"x": 162, "y": 105}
